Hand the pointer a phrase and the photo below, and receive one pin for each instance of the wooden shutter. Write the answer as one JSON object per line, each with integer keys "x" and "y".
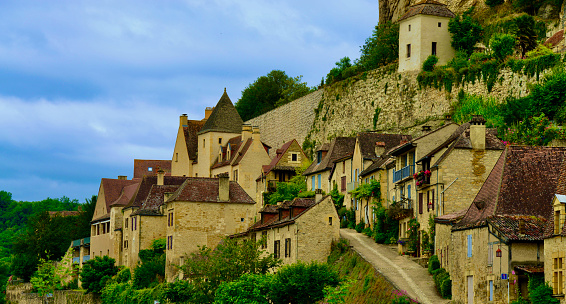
{"x": 420, "y": 203}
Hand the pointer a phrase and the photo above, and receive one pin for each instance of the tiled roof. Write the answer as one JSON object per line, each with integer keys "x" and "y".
{"x": 240, "y": 154}
{"x": 101, "y": 218}
{"x": 141, "y": 167}
{"x": 530, "y": 268}
{"x": 559, "y": 194}
{"x": 145, "y": 187}
{"x": 278, "y": 155}
{"x": 191, "y": 136}
{"x": 64, "y": 213}
{"x": 304, "y": 204}
{"x": 522, "y": 183}
{"x": 368, "y": 140}
{"x": 428, "y": 7}
{"x": 113, "y": 189}
{"x": 451, "y": 217}
{"x": 519, "y": 227}
{"x": 376, "y": 165}
{"x": 203, "y": 189}
{"x": 126, "y": 195}
{"x": 339, "y": 147}
{"x": 224, "y": 118}
{"x": 156, "y": 196}
{"x": 234, "y": 144}
{"x": 555, "y": 39}
{"x": 269, "y": 209}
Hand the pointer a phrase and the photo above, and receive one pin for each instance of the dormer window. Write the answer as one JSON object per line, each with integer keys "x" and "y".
{"x": 220, "y": 155}
{"x": 318, "y": 157}
{"x": 228, "y": 152}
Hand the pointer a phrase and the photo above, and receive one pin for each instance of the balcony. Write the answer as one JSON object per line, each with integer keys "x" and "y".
{"x": 351, "y": 186}
{"x": 401, "y": 209}
{"x": 423, "y": 178}
{"x": 405, "y": 172}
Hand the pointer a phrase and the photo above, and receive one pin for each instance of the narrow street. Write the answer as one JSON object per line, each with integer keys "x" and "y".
{"x": 400, "y": 270}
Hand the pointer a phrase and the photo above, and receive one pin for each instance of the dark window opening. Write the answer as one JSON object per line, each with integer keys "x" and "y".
{"x": 434, "y": 48}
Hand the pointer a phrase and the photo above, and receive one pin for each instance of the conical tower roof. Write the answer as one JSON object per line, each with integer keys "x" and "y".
{"x": 224, "y": 118}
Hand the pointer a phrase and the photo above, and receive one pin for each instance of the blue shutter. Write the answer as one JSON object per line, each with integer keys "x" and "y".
{"x": 312, "y": 183}
{"x": 409, "y": 191}
{"x": 469, "y": 245}
{"x": 319, "y": 181}
{"x": 491, "y": 290}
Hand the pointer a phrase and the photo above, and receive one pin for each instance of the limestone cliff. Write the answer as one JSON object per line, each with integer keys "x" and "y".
{"x": 391, "y": 10}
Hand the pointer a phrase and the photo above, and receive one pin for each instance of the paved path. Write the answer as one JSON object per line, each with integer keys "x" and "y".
{"x": 400, "y": 270}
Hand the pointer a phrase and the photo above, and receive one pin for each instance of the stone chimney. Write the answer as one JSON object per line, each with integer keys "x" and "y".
{"x": 477, "y": 132}
{"x": 255, "y": 133}
{"x": 160, "y": 177}
{"x": 207, "y": 112}
{"x": 246, "y": 132}
{"x": 184, "y": 120}
{"x": 122, "y": 177}
{"x": 379, "y": 148}
{"x": 223, "y": 187}
{"x": 317, "y": 195}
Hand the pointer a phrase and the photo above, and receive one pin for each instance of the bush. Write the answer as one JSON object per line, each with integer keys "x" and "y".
{"x": 543, "y": 295}
{"x": 429, "y": 63}
{"x": 367, "y": 231}
{"x": 380, "y": 237}
{"x": 249, "y": 288}
{"x": 492, "y": 3}
{"x": 124, "y": 275}
{"x": 446, "y": 288}
{"x": 96, "y": 272}
{"x": 466, "y": 32}
{"x": 433, "y": 264}
{"x": 442, "y": 282}
{"x": 302, "y": 283}
{"x": 360, "y": 227}
{"x": 502, "y": 45}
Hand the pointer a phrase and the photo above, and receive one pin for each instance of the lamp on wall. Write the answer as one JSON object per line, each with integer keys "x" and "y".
{"x": 498, "y": 253}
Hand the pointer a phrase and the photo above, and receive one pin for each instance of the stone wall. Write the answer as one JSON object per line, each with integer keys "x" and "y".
{"x": 394, "y": 99}
{"x": 21, "y": 294}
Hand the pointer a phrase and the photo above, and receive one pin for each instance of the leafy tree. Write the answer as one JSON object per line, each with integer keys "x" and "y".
{"x": 4, "y": 273}
{"x": 268, "y": 92}
{"x": 86, "y": 216}
{"x": 49, "y": 276}
{"x": 492, "y": 3}
{"x": 466, "y": 32}
{"x": 525, "y": 33}
{"x": 337, "y": 198}
{"x": 207, "y": 268}
{"x": 429, "y": 63}
{"x": 302, "y": 283}
{"x": 152, "y": 267}
{"x": 502, "y": 45}
{"x": 5, "y": 200}
{"x": 249, "y": 288}
{"x": 528, "y": 6}
{"x": 96, "y": 272}
{"x": 382, "y": 48}
{"x": 289, "y": 190}
{"x": 336, "y": 74}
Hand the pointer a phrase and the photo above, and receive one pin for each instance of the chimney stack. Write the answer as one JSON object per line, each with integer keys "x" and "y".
{"x": 160, "y": 177}
{"x": 246, "y": 132}
{"x": 317, "y": 195}
{"x": 255, "y": 133}
{"x": 379, "y": 148}
{"x": 122, "y": 177}
{"x": 223, "y": 187}
{"x": 207, "y": 112}
{"x": 477, "y": 132}
{"x": 184, "y": 120}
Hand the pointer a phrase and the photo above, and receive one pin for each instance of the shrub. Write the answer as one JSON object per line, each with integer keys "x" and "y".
{"x": 446, "y": 288}
{"x": 466, "y": 32}
{"x": 367, "y": 231}
{"x": 433, "y": 263}
{"x": 249, "y": 288}
{"x": 502, "y": 45}
{"x": 360, "y": 227}
{"x": 492, "y": 3}
{"x": 380, "y": 237}
{"x": 429, "y": 63}
{"x": 124, "y": 275}
{"x": 96, "y": 272}
{"x": 543, "y": 295}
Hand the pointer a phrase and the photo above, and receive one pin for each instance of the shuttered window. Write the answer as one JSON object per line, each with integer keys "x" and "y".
{"x": 469, "y": 245}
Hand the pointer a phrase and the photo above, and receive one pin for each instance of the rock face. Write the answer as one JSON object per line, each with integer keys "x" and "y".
{"x": 391, "y": 10}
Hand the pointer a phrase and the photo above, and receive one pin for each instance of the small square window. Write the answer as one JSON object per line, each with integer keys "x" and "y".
{"x": 439, "y": 24}
{"x": 294, "y": 157}
{"x": 150, "y": 169}
{"x": 241, "y": 219}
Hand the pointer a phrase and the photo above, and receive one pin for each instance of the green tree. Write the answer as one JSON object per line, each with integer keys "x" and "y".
{"x": 248, "y": 289}
{"x": 96, "y": 272}
{"x": 4, "y": 274}
{"x": 502, "y": 45}
{"x": 302, "y": 283}
{"x": 466, "y": 32}
{"x": 525, "y": 33}
{"x": 382, "y": 48}
{"x": 207, "y": 268}
{"x": 268, "y": 92}
{"x": 493, "y": 3}
{"x": 336, "y": 73}
{"x": 49, "y": 276}
{"x": 152, "y": 268}
{"x": 86, "y": 216}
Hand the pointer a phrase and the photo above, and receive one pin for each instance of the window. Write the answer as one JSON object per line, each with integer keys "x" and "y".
{"x": 409, "y": 27}
{"x": 263, "y": 239}
{"x": 235, "y": 175}
{"x": 408, "y": 51}
{"x": 439, "y": 24}
{"x": 409, "y": 191}
{"x": 343, "y": 167}
{"x": 469, "y": 245}
{"x": 170, "y": 242}
{"x": 491, "y": 290}
{"x": 420, "y": 203}
{"x": 433, "y": 48}
{"x": 287, "y": 247}
{"x": 103, "y": 228}
{"x": 126, "y": 224}
{"x": 176, "y": 157}
{"x": 97, "y": 229}
{"x": 312, "y": 183}
{"x": 343, "y": 184}
{"x": 319, "y": 178}
{"x": 126, "y": 244}
{"x": 204, "y": 143}
{"x": 277, "y": 249}
{"x": 330, "y": 220}
{"x": 558, "y": 274}
{"x": 318, "y": 157}
{"x": 220, "y": 140}
{"x": 170, "y": 219}
{"x": 150, "y": 169}
{"x": 294, "y": 157}
{"x": 557, "y": 222}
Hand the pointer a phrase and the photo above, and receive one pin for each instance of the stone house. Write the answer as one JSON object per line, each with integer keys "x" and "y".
{"x": 200, "y": 213}
{"x": 186, "y": 145}
{"x": 423, "y": 31}
{"x": 281, "y": 169}
{"x": 298, "y": 230}
{"x": 318, "y": 173}
{"x": 555, "y": 241}
{"x": 500, "y": 238}
{"x": 402, "y": 187}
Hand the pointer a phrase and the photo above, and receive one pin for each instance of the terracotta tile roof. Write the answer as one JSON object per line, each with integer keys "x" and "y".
{"x": 555, "y": 39}
{"x": 203, "y": 189}
{"x": 141, "y": 167}
{"x": 64, "y": 213}
{"x": 338, "y": 148}
{"x": 224, "y": 118}
{"x": 278, "y": 155}
{"x": 145, "y": 187}
{"x": 522, "y": 183}
{"x": 451, "y": 217}
{"x": 101, "y": 218}
{"x": 559, "y": 194}
{"x": 240, "y": 154}
{"x": 519, "y": 227}
{"x": 269, "y": 209}
{"x": 368, "y": 140}
{"x": 302, "y": 205}
{"x": 113, "y": 189}
{"x": 530, "y": 268}
{"x": 126, "y": 195}
{"x": 234, "y": 145}
{"x": 191, "y": 136}
{"x": 156, "y": 196}
{"x": 428, "y": 7}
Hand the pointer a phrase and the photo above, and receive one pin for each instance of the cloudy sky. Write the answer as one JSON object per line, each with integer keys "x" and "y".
{"x": 87, "y": 86}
